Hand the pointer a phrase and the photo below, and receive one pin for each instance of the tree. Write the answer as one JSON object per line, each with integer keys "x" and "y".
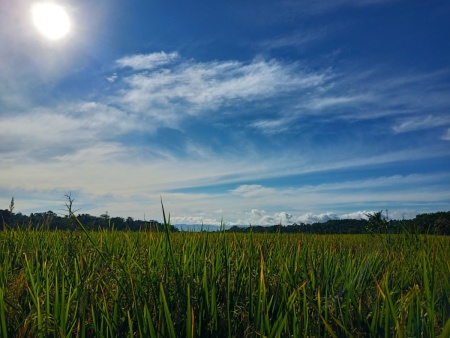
{"x": 11, "y": 205}
{"x": 442, "y": 226}
{"x": 377, "y": 224}
{"x": 6, "y": 214}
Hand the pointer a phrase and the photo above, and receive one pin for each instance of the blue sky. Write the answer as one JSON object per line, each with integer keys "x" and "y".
{"x": 252, "y": 111}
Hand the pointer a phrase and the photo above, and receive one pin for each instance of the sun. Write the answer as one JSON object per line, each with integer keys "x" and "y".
{"x": 51, "y": 20}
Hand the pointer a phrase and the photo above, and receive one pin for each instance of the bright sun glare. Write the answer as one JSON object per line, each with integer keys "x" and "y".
{"x": 51, "y": 20}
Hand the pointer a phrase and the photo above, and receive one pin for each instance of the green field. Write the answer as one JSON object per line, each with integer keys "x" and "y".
{"x": 149, "y": 284}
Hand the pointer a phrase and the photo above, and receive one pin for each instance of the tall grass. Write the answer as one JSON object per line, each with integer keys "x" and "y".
{"x": 150, "y": 284}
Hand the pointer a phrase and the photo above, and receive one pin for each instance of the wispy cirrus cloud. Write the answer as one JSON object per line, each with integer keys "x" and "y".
{"x": 297, "y": 40}
{"x": 382, "y": 192}
{"x": 42, "y": 132}
{"x": 86, "y": 143}
{"x": 359, "y": 95}
{"x": 171, "y": 89}
{"x": 421, "y": 122}
{"x": 393, "y": 184}
{"x": 147, "y": 61}
{"x": 370, "y": 94}
{"x": 389, "y": 192}
{"x": 251, "y": 191}
{"x": 273, "y": 126}
{"x": 446, "y": 136}
{"x": 338, "y": 101}
{"x": 193, "y": 88}
{"x": 111, "y": 168}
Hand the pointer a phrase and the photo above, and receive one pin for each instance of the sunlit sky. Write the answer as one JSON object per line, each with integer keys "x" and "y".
{"x": 256, "y": 112}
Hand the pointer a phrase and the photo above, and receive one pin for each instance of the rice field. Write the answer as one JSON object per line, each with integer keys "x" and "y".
{"x": 161, "y": 284}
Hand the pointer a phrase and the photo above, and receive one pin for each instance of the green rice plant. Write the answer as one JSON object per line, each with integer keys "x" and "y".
{"x": 167, "y": 315}
{"x": 4, "y": 328}
{"x": 110, "y": 283}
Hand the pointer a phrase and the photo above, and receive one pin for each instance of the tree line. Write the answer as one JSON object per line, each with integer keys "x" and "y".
{"x": 51, "y": 221}
{"x": 430, "y": 223}
{"x": 437, "y": 223}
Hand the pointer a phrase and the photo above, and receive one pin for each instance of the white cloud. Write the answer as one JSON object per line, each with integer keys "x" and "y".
{"x": 44, "y": 132}
{"x": 136, "y": 186}
{"x": 251, "y": 191}
{"x": 261, "y": 217}
{"x": 194, "y": 220}
{"x": 257, "y": 217}
{"x": 356, "y": 215}
{"x": 398, "y": 214}
{"x": 446, "y": 136}
{"x": 112, "y": 78}
{"x": 259, "y": 200}
{"x": 370, "y": 94}
{"x": 147, "y": 61}
{"x": 78, "y": 146}
{"x": 297, "y": 39}
{"x": 332, "y": 102}
{"x": 169, "y": 94}
{"x": 273, "y": 126}
{"x": 319, "y": 218}
{"x": 390, "y": 182}
{"x": 420, "y": 123}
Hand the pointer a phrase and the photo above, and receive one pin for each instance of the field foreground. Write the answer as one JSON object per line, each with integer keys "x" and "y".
{"x": 147, "y": 284}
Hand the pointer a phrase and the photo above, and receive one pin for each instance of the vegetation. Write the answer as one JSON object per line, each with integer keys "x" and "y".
{"x": 435, "y": 223}
{"x": 110, "y": 283}
{"x": 51, "y": 221}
